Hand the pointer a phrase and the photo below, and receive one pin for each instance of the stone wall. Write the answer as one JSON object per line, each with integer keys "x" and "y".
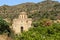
{"x": 4, "y": 37}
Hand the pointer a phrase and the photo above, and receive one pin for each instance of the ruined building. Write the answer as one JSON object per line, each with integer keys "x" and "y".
{"x": 22, "y": 23}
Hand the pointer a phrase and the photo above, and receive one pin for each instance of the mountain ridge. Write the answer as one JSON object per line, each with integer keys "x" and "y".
{"x": 43, "y": 8}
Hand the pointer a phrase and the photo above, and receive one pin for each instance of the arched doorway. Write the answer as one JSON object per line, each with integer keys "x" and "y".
{"x": 21, "y": 29}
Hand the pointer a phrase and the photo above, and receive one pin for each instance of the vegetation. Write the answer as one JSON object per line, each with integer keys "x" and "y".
{"x": 41, "y": 33}
{"x": 4, "y": 27}
{"x": 42, "y": 30}
{"x": 45, "y": 9}
{"x": 42, "y": 13}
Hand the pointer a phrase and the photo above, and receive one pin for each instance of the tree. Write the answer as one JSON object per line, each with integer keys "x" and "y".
{"x": 4, "y": 27}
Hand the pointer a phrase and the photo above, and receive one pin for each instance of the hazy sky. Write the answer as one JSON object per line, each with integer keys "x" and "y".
{"x": 15, "y": 2}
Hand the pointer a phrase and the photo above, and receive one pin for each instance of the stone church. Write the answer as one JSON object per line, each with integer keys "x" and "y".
{"x": 22, "y": 23}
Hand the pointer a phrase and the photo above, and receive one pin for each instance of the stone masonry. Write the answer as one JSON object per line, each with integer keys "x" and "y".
{"x": 22, "y": 23}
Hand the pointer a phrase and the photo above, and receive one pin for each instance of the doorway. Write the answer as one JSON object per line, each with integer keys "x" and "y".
{"x": 21, "y": 29}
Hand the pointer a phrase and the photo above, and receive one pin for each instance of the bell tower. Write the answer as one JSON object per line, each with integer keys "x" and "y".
{"x": 23, "y": 15}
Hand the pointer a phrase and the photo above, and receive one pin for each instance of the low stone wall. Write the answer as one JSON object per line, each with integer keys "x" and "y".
{"x": 4, "y": 37}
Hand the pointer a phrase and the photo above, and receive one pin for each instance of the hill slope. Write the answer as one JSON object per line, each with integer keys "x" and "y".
{"x": 40, "y": 10}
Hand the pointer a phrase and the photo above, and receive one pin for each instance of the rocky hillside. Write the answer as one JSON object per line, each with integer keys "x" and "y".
{"x": 44, "y": 9}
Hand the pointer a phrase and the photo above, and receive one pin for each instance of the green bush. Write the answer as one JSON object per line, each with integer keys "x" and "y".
{"x": 51, "y": 32}
{"x": 4, "y": 27}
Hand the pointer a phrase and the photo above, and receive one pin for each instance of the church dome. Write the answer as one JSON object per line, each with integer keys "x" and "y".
{"x": 22, "y": 13}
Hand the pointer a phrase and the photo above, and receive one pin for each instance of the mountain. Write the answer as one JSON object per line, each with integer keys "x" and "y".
{"x": 44, "y": 9}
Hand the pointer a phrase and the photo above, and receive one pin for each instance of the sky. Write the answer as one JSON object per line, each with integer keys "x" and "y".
{"x": 15, "y": 2}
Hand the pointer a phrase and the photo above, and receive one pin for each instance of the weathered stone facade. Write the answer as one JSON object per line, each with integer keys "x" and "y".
{"x": 22, "y": 23}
